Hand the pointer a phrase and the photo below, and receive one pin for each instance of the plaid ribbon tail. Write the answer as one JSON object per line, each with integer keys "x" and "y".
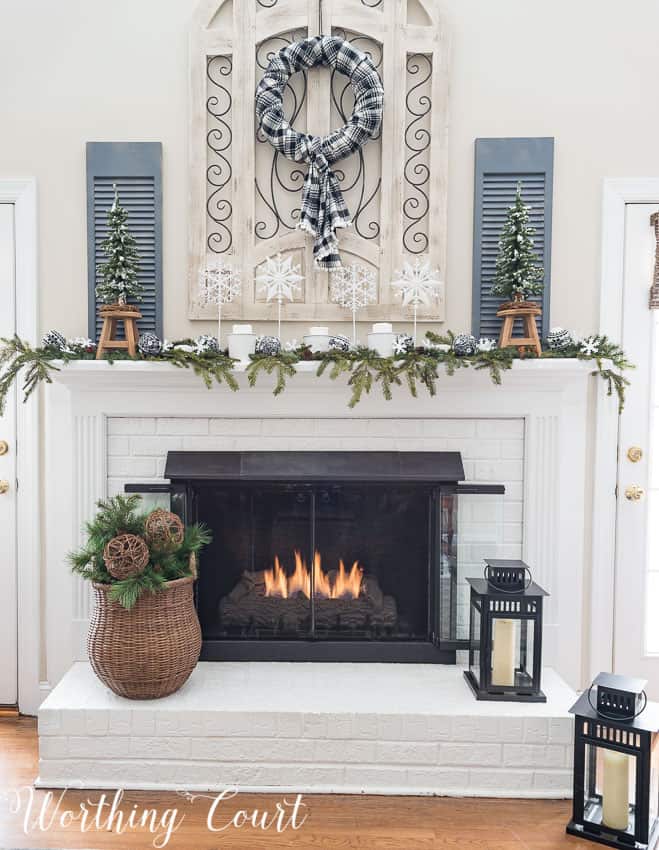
{"x": 323, "y": 212}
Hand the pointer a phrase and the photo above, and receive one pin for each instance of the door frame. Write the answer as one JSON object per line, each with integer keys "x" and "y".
{"x": 22, "y": 193}
{"x": 616, "y": 194}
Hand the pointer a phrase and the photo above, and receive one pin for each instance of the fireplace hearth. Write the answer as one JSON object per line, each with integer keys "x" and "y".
{"x": 332, "y": 556}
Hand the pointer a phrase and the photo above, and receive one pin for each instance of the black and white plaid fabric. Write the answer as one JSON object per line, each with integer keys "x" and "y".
{"x": 323, "y": 208}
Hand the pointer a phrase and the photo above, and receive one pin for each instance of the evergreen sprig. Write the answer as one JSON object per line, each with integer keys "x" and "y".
{"x": 119, "y": 271}
{"x": 121, "y": 515}
{"x": 282, "y": 364}
{"x": 210, "y": 366}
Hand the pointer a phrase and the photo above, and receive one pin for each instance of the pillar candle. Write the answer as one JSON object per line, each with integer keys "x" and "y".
{"x": 615, "y": 790}
{"x": 503, "y": 653}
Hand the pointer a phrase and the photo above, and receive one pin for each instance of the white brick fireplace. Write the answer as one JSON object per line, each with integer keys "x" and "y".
{"x": 110, "y": 425}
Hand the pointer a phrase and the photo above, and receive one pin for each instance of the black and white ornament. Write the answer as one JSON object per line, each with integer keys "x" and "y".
{"x": 559, "y": 338}
{"x": 206, "y": 344}
{"x": 54, "y": 339}
{"x": 403, "y": 344}
{"x": 465, "y": 344}
{"x": 149, "y": 344}
{"x": 268, "y": 345}
{"x": 338, "y": 342}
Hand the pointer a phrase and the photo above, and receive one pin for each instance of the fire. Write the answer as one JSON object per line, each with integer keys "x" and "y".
{"x": 338, "y": 585}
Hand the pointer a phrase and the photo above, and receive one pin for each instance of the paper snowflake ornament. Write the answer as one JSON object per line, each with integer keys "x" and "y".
{"x": 353, "y": 287}
{"x": 418, "y": 285}
{"x": 219, "y": 283}
{"x": 486, "y": 344}
{"x": 279, "y": 280}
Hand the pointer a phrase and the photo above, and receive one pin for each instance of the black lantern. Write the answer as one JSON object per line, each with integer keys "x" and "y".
{"x": 505, "y": 634}
{"x": 616, "y": 765}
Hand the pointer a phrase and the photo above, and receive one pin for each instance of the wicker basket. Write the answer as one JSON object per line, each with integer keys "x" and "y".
{"x": 150, "y": 651}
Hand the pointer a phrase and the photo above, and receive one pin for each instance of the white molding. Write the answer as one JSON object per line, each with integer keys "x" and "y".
{"x": 550, "y": 395}
{"x": 616, "y": 194}
{"x": 22, "y": 193}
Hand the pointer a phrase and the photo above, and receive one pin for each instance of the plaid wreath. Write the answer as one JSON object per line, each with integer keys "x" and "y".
{"x": 323, "y": 209}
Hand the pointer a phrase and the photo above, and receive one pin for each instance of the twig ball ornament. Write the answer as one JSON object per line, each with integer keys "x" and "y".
{"x": 559, "y": 338}
{"x": 54, "y": 339}
{"x": 164, "y": 530}
{"x": 338, "y": 342}
{"x": 268, "y": 345}
{"x": 126, "y": 556}
{"x": 149, "y": 344}
{"x": 206, "y": 344}
{"x": 465, "y": 344}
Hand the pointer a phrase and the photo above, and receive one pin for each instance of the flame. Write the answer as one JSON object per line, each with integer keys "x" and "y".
{"x": 344, "y": 585}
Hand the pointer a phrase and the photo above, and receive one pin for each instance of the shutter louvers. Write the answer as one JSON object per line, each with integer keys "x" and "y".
{"x": 135, "y": 168}
{"x": 500, "y": 165}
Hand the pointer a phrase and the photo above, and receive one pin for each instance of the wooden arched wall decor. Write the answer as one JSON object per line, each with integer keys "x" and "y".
{"x": 245, "y": 198}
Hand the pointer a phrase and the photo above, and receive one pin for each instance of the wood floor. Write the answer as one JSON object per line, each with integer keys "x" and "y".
{"x": 332, "y": 823}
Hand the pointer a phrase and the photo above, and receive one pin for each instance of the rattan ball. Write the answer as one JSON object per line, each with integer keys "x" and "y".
{"x": 164, "y": 530}
{"x": 126, "y": 556}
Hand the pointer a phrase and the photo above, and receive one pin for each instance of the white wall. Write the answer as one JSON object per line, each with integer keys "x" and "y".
{"x": 76, "y": 71}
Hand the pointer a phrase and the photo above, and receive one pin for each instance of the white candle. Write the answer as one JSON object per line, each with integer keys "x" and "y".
{"x": 503, "y": 653}
{"x": 242, "y": 329}
{"x": 319, "y": 331}
{"x": 242, "y": 342}
{"x": 382, "y": 328}
{"x": 615, "y": 790}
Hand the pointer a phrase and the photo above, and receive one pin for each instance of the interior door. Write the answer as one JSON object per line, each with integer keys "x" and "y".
{"x": 636, "y": 631}
{"x": 8, "y": 598}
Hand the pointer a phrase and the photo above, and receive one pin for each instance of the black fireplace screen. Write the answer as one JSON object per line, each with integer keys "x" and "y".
{"x": 335, "y": 556}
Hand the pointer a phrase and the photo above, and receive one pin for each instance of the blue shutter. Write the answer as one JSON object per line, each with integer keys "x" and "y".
{"x": 136, "y": 170}
{"x": 500, "y": 165}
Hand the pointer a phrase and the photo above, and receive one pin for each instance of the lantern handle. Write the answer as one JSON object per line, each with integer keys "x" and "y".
{"x": 613, "y": 716}
{"x": 493, "y": 586}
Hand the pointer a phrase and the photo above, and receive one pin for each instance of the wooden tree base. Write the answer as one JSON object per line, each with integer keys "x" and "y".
{"x": 527, "y": 312}
{"x": 108, "y": 339}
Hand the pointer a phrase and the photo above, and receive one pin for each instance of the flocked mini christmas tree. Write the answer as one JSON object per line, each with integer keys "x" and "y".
{"x": 518, "y": 273}
{"x": 119, "y": 272}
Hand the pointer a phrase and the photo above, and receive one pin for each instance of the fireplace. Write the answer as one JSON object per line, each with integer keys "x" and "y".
{"x": 330, "y": 556}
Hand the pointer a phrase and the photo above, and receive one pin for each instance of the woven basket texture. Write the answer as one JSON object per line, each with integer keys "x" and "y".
{"x": 150, "y": 651}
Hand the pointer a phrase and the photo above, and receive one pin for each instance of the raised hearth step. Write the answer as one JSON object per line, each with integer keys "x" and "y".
{"x": 313, "y": 728}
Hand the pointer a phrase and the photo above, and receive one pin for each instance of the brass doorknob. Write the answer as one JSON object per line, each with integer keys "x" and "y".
{"x": 4, "y": 447}
{"x": 4, "y": 487}
{"x": 634, "y": 454}
{"x": 634, "y": 493}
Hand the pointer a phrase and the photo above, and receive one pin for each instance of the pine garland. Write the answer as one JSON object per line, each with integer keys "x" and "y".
{"x": 363, "y": 368}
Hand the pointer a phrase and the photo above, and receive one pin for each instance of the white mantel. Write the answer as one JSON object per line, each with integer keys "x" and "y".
{"x": 550, "y": 396}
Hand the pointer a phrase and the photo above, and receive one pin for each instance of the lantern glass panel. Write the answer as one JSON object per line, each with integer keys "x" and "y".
{"x": 471, "y": 528}
{"x": 610, "y": 788}
{"x": 654, "y": 783}
{"x": 475, "y": 649}
{"x": 512, "y": 652}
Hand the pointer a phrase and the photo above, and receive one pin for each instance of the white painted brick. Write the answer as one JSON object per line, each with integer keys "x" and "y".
{"x": 449, "y": 428}
{"x": 475, "y": 449}
{"x": 343, "y": 752}
{"x": 341, "y": 427}
{"x": 340, "y": 726}
{"x": 561, "y": 730}
{"x": 98, "y": 746}
{"x": 161, "y": 747}
{"x": 498, "y": 470}
{"x": 183, "y": 425}
{"x": 300, "y": 776}
{"x": 530, "y": 755}
{"x": 118, "y": 446}
{"x": 511, "y": 730}
{"x": 290, "y": 725}
{"x": 119, "y": 722}
{"x": 512, "y": 449}
{"x": 536, "y": 730}
{"x": 390, "y": 727}
{"x": 486, "y": 755}
{"x": 141, "y": 425}
{"x": 167, "y": 723}
{"x": 365, "y": 726}
{"x": 512, "y": 532}
{"x": 496, "y": 780}
{"x": 414, "y": 727}
{"x": 97, "y": 722}
{"x": 503, "y": 428}
{"x": 409, "y": 752}
{"x": 372, "y": 778}
{"x": 315, "y": 726}
{"x": 395, "y": 428}
{"x": 236, "y": 427}
{"x": 288, "y": 428}
{"x": 553, "y": 781}
{"x": 154, "y": 446}
{"x": 143, "y": 722}
{"x": 141, "y": 467}
{"x": 72, "y": 722}
{"x": 50, "y": 721}
{"x": 438, "y": 780}
{"x": 53, "y": 747}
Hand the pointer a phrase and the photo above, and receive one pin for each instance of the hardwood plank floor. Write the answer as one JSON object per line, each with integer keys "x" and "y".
{"x": 332, "y": 822}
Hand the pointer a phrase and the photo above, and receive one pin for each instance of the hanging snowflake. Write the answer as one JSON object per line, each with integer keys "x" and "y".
{"x": 589, "y": 346}
{"x": 353, "y": 287}
{"x": 219, "y": 283}
{"x": 279, "y": 280}
{"x": 486, "y": 344}
{"x": 418, "y": 285}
